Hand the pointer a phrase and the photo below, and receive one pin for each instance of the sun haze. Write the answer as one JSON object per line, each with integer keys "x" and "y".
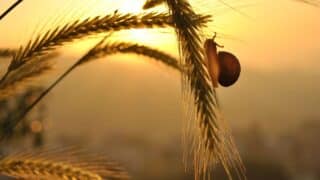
{"x": 130, "y": 106}
{"x": 261, "y": 25}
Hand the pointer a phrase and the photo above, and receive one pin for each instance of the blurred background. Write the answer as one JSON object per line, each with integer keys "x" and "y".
{"x": 129, "y": 107}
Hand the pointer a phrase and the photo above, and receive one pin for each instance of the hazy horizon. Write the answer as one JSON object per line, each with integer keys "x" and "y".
{"x": 133, "y": 100}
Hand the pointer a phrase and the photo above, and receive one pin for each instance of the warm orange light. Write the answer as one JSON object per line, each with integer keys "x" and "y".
{"x": 36, "y": 126}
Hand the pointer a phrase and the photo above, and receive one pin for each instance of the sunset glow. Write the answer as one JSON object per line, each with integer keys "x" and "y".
{"x": 103, "y": 89}
{"x": 234, "y": 29}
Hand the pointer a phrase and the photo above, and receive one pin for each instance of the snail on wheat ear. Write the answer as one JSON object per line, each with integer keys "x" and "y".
{"x": 223, "y": 67}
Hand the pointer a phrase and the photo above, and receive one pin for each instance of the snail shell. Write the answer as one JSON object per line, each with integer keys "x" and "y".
{"x": 230, "y": 68}
{"x": 223, "y": 67}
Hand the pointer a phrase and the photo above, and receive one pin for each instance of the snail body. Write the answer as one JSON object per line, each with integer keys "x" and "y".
{"x": 223, "y": 67}
{"x": 212, "y": 61}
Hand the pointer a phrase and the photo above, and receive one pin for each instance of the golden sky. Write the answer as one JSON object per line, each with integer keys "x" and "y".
{"x": 265, "y": 35}
{"x": 281, "y": 38}
{"x": 130, "y": 96}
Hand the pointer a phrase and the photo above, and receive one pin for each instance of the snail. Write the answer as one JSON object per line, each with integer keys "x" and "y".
{"x": 223, "y": 67}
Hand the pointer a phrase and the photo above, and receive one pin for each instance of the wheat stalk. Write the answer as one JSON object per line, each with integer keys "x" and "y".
{"x": 46, "y": 165}
{"x": 152, "y": 3}
{"x": 213, "y": 142}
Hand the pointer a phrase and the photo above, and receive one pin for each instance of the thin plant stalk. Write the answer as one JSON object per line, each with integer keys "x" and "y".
{"x": 10, "y": 9}
{"x": 92, "y": 54}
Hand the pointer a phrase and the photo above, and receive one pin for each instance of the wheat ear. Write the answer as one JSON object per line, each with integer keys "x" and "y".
{"x": 68, "y": 166}
{"x": 76, "y": 30}
{"x": 212, "y": 141}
